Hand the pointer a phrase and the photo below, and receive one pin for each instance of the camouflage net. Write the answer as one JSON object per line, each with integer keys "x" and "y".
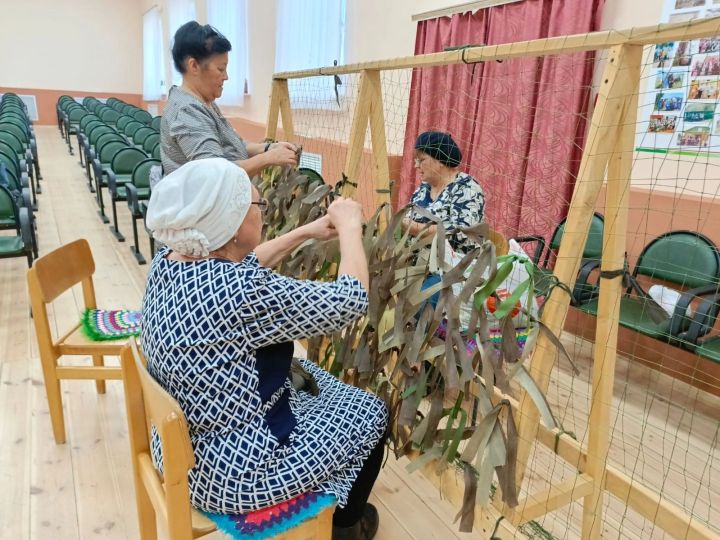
{"x": 439, "y": 391}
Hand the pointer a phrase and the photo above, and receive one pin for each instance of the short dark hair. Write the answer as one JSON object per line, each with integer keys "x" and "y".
{"x": 197, "y": 41}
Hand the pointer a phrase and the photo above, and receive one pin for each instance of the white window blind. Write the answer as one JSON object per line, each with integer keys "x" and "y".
{"x": 153, "y": 56}
{"x": 310, "y": 34}
{"x": 230, "y": 19}
{"x": 179, "y": 12}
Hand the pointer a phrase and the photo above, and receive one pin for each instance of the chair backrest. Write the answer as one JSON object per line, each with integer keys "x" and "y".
{"x": 141, "y": 134}
{"x": 685, "y": 258}
{"x": 87, "y": 120}
{"x": 142, "y": 116}
{"x": 105, "y": 138}
{"x": 123, "y": 121}
{"x": 132, "y": 127}
{"x": 148, "y": 404}
{"x": 19, "y": 132}
{"x": 593, "y": 245}
{"x": 11, "y": 163}
{"x": 156, "y": 151}
{"x": 110, "y": 116}
{"x": 125, "y": 160}
{"x": 126, "y": 108}
{"x": 77, "y": 114}
{"x": 150, "y": 142}
{"x": 97, "y": 130}
{"x": 16, "y": 118}
{"x": 109, "y": 150}
{"x": 59, "y": 270}
{"x": 12, "y": 141}
{"x": 141, "y": 172}
{"x": 155, "y": 123}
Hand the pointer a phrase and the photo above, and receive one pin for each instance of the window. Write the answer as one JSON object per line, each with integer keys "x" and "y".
{"x": 230, "y": 18}
{"x": 153, "y": 56}
{"x": 310, "y": 34}
{"x": 179, "y": 12}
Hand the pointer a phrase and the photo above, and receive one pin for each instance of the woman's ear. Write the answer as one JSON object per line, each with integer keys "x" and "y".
{"x": 192, "y": 66}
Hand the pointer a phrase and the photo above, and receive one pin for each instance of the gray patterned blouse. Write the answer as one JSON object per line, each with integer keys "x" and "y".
{"x": 191, "y": 130}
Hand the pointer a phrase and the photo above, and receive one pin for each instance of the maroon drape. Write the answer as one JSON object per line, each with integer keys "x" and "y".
{"x": 520, "y": 123}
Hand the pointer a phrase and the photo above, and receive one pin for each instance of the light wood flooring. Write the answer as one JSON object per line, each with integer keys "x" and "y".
{"x": 665, "y": 433}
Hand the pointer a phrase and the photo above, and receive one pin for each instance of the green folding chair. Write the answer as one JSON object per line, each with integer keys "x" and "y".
{"x": 120, "y": 172}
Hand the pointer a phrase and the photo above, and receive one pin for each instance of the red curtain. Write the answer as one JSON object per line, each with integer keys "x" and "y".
{"x": 520, "y": 123}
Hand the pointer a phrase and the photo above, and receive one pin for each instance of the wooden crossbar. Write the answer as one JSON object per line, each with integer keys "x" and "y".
{"x": 644, "y": 35}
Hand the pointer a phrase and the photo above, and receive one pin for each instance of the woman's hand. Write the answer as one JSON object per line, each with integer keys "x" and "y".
{"x": 320, "y": 229}
{"x": 345, "y": 214}
{"x": 282, "y": 153}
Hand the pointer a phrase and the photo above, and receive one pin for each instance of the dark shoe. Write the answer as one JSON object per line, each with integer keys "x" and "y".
{"x": 365, "y": 529}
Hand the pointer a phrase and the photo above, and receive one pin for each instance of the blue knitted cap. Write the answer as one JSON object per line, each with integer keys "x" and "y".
{"x": 439, "y": 146}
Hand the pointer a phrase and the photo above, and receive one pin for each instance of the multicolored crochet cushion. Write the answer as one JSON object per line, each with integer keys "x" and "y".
{"x": 106, "y": 324}
{"x": 495, "y": 337}
{"x": 274, "y": 520}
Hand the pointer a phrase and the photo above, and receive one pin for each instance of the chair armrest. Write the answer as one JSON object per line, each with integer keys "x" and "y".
{"x": 25, "y": 228}
{"x": 24, "y": 180}
{"x": 24, "y": 165}
{"x": 133, "y": 201}
{"x": 539, "y": 248}
{"x": 112, "y": 183}
{"x": 97, "y": 169}
{"x": 27, "y": 201}
{"x": 700, "y": 323}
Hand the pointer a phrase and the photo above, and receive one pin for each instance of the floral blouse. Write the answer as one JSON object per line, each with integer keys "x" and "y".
{"x": 461, "y": 204}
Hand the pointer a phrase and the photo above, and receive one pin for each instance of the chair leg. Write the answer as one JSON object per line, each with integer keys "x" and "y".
{"x": 99, "y": 361}
{"x": 54, "y": 395}
{"x": 135, "y": 248}
{"x": 100, "y": 201}
{"x": 147, "y": 520}
{"x": 114, "y": 227}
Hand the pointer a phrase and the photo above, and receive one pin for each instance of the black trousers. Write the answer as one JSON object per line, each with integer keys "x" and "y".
{"x": 360, "y": 491}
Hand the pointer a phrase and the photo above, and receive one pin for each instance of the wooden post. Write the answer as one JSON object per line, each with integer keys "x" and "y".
{"x": 600, "y": 143}
{"x": 613, "y": 258}
{"x": 381, "y": 172}
{"x": 280, "y": 107}
{"x": 369, "y": 108}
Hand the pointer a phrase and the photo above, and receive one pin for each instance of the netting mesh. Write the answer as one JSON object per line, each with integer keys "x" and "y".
{"x": 522, "y": 126}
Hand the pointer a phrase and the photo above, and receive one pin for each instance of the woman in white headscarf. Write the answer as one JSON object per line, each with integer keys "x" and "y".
{"x": 218, "y": 327}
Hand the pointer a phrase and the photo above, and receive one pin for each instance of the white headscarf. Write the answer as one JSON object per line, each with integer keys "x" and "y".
{"x": 199, "y": 207}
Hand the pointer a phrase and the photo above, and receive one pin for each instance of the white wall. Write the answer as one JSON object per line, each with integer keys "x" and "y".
{"x": 86, "y": 45}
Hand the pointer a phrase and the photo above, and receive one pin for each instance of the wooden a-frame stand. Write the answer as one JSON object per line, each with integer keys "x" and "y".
{"x": 607, "y": 158}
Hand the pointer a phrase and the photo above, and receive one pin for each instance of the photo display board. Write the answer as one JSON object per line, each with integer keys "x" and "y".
{"x": 679, "y": 111}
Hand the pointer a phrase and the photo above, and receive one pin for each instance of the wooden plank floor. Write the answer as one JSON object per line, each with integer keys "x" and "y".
{"x": 665, "y": 433}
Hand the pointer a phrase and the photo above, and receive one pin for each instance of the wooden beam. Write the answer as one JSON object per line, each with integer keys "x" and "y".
{"x": 645, "y": 35}
{"x": 628, "y": 61}
{"x": 381, "y": 171}
{"x": 600, "y": 143}
{"x": 88, "y": 372}
{"x": 556, "y": 496}
{"x": 652, "y": 506}
{"x": 358, "y": 130}
{"x": 280, "y": 109}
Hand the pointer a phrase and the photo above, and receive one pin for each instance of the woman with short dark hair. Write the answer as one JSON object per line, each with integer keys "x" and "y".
{"x": 192, "y": 125}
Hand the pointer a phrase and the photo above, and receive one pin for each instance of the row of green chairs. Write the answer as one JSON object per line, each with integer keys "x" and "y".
{"x": 16, "y": 204}
{"x": 18, "y": 136}
{"x": 118, "y": 152}
{"x": 683, "y": 260}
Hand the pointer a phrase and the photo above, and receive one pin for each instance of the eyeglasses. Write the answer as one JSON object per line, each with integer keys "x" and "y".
{"x": 262, "y": 204}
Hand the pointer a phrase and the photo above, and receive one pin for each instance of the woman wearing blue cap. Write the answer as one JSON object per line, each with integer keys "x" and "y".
{"x": 453, "y": 196}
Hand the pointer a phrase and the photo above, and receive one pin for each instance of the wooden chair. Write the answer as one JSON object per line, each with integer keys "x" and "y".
{"x": 168, "y": 496}
{"x": 52, "y": 275}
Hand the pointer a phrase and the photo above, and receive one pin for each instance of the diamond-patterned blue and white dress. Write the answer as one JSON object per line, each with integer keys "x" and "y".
{"x": 218, "y": 337}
